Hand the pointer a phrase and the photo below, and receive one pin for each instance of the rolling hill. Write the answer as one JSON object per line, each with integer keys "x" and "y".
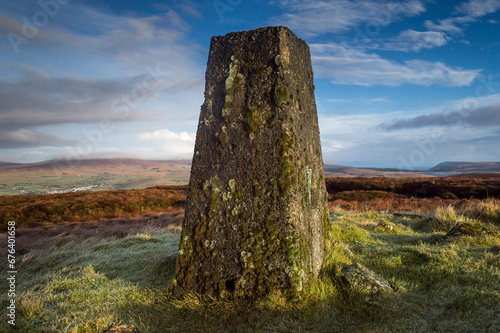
{"x": 467, "y": 167}
{"x": 60, "y": 176}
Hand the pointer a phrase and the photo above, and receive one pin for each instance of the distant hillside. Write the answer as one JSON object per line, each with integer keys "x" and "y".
{"x": 100, "y": 163}
{"x": 467, "y": 167}
{"x": 6, "y": 164}
{"x": 60, "y": 176}
{"x": 348, "y": 171}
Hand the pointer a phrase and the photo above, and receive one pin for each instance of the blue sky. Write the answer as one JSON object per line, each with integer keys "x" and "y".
{"x": 405, "y": 84}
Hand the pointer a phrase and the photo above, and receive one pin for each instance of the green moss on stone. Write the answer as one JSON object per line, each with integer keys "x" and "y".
{"x": 253, "y": 119}
{"x": 281, "y": 96}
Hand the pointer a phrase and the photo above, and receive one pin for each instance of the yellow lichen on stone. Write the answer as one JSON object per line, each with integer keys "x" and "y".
{"x": 230, "y": 85}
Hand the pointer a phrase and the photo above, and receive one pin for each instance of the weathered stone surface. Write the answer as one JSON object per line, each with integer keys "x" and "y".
{"x": 358, "y": 277}
{"x": 257, "y": 203}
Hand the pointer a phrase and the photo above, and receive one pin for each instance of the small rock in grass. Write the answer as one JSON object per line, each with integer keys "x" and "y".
{"x": 358, "y": 277}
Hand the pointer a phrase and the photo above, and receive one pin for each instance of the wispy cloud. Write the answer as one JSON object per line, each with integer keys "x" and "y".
{"x": 469, "y": 11}
{"x": 38, "y": 101}
{"x": 479, "y": 118}
{"x": 414, "y": 41}
{"x": 345, "y": 65}
{"x": 25, "y": 137}
{"x": 320, "y": 17}
{"x": 478, "y": 8}
{"x": 339, "y": 100}
{"x": 359, "y": 100}
{"x": 448, "y": 25}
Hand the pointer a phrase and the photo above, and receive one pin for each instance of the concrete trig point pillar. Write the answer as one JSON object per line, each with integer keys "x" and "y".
{"x": 257, "y": 204}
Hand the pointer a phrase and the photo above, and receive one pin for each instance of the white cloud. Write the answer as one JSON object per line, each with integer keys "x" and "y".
{"x": 478, "y": 8}
{"x": 476, "y": 102}
{"x": 169, "y": 136}
{"x": 344, "y": 65}
{"x": 170, "y": 144}
{"x": 414, "y": 41}
{"x": 379, "y": 100}
{"x": 447, "y": 25}
{"x": 320, "y": 16}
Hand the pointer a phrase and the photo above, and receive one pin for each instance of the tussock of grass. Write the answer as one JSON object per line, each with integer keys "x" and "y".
{"x": 85, "y": 286}
{"x": 442, "y": 220}
{"x": 487, "y": 211}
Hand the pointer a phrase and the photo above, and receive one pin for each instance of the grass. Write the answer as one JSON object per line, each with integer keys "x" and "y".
{"x": 84, "y": 282}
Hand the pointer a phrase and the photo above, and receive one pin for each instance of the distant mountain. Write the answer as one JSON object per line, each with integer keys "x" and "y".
{"x": 335, "y": 170}
{"x": 466, "y": 167}
{"x": 441, "y": 170}
{"x": 3, "y": 164}
{"x": 98, "y": 163}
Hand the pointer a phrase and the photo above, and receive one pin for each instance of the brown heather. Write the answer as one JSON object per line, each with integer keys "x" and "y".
{"x": 32, "y": 210}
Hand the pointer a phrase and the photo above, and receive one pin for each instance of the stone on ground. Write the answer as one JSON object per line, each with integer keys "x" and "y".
{"x": 358, "y": 277}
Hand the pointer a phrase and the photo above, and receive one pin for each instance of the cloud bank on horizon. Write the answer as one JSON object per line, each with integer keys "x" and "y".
{"x": 398, "y": 83}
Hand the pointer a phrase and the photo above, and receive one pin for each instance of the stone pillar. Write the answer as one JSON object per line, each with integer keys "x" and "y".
{"x": 257, "y": 204}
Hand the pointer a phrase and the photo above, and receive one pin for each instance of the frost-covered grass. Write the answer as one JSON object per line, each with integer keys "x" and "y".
{"x": 75, "y": 285}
